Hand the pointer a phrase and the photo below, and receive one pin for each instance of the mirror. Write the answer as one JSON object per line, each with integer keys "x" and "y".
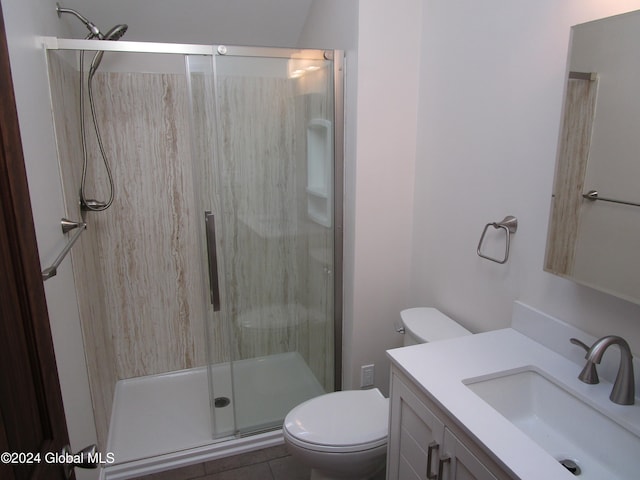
{"x": 594, "y": 226}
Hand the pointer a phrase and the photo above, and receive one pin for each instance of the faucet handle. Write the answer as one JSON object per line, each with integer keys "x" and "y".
{"x": 589, "y": 374}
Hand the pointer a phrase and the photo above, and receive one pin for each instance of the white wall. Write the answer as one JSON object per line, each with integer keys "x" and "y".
{"x": 331, "y": 24}
{"x": 25, "y": 21}
{"x": 492, "y": 80}
{"x": 389, "y": 39}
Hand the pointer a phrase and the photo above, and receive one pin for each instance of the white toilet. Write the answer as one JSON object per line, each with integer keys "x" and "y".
{"x": 343, "y": 435}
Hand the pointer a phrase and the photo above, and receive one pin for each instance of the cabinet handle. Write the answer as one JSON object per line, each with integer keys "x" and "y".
{"x": 445, "y": 459}
{"x": 432, "y": 446}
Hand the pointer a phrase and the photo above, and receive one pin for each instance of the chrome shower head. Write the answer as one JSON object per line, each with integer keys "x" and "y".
{"x": 116, "y": 32}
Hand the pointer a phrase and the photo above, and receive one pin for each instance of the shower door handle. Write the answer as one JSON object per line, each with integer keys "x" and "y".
{"x": 212, "y": 256}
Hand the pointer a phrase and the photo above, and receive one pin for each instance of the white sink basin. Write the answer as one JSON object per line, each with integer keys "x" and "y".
{"x": 563, "y": 424}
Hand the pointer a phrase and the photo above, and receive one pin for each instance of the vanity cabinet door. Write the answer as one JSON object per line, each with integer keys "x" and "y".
{"x": 463, "y": 465}
{"x": 413, "y": 429}
{"x": 420, "y": 445}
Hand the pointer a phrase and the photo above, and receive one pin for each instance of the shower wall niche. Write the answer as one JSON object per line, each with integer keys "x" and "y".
{"x": 138, "y": 268}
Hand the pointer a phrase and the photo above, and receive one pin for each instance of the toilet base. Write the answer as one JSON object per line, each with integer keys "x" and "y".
{"x": 380, "y": 475}
{"x": 362, "y": 465}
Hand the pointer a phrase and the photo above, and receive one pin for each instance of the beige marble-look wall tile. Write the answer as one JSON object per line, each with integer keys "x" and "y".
{"x": 149, "y": 260}
{"x": 573, "y": 155}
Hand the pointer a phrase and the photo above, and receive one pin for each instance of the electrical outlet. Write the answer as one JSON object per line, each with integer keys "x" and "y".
{"x": 367, "y": 373}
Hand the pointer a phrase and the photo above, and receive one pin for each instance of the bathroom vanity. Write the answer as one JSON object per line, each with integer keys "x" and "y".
{"x": 424, "y": 440}
{"x": 502, "y": 405}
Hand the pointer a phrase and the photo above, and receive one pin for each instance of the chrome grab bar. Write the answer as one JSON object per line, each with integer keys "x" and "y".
{"x": 67, "y": 226}
{"x": 593, "y": 196}
{"x": 509, "y": 224}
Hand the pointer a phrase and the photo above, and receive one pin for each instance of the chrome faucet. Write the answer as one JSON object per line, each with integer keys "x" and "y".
{"x": 623, "y": 392}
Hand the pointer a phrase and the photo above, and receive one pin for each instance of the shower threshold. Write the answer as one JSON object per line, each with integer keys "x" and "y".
{"x": 161, "y": 422}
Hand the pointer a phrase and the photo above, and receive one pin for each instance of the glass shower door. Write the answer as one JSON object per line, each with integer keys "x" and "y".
{"x": 271, "y": 189}
{"x": 201, "y": 86}
{"x": 275, "y": 167}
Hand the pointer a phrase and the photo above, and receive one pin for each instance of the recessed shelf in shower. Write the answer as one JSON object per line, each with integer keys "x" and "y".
{"x": 319, "y": 174}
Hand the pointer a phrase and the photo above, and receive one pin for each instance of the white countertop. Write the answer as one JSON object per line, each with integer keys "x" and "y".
{"x": 439, "y": 369}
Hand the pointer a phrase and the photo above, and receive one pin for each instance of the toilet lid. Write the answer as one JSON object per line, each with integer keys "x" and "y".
{"x": 428, "y": 324}
{"x": 350, "y": 420}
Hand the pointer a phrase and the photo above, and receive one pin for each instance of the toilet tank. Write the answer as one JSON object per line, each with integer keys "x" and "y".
{"x": 427, "y": 324}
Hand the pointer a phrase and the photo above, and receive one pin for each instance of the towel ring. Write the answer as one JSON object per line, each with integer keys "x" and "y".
{"x": 509, "y": 224}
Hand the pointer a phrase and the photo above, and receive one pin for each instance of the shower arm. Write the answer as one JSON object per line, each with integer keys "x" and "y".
{"x": 95, "y": 31}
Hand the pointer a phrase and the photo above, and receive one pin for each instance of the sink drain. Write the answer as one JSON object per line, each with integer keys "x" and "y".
{"x": 571, "y": 466}
{"x": 220, "y": 402}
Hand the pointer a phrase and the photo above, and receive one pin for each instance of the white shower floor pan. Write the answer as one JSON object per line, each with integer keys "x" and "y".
{"x": 163, "y": 421}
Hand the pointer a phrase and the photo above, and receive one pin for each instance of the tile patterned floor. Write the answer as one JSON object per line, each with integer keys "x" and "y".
{"x": 273, "y": 463}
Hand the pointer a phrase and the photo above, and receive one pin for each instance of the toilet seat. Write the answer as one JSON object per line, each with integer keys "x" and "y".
{"x": 340, "y": 422}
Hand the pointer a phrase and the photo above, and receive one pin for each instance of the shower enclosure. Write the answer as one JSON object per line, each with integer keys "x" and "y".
{"x": 210, "y": 291}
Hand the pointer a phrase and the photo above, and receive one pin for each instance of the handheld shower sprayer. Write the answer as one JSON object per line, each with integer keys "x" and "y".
{"x": 115, "y": 33}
